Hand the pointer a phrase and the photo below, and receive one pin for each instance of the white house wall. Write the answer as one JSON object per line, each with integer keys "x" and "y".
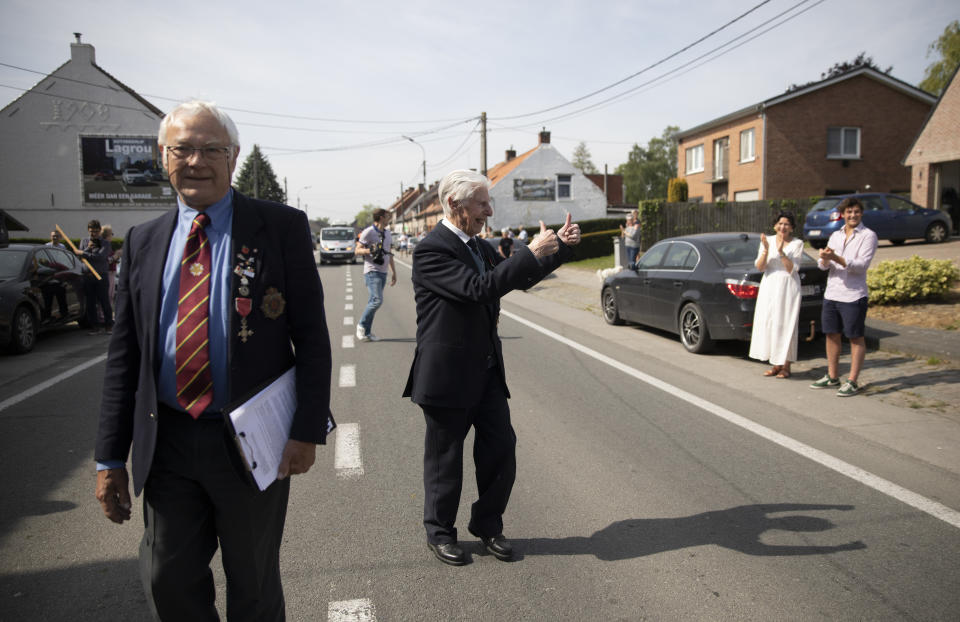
{"x": 40, "y": 177}
{"x": 587, "y": 201}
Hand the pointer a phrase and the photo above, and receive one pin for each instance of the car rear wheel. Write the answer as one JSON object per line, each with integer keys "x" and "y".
{"x": 693, "y": 329}
{"x": 24, "y": 331}
{"x": 898, "y": 242}
{"x": 936, "y": 233}
{"x": 608, "y": 299}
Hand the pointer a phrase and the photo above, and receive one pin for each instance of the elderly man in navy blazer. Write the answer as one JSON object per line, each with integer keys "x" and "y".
{"x": 457, "y": 376}
{"x": 216, "y": 298}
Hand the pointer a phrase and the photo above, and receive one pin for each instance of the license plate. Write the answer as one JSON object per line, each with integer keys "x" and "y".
{"x": 815, "y": 233}
{"x": 809, "y": 290}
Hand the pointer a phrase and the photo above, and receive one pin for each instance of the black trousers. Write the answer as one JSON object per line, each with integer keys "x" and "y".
{"x": 494, "y": 456}
{"x": 195, "y": 500}
{"x": 97, "y": 293}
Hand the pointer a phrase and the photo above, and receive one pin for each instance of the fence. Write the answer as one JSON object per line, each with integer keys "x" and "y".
{"x": 661, "y": 220}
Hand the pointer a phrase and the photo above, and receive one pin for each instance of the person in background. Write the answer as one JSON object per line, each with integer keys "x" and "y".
{"x": 113, "y": 257}
{"x": 847, "y": 256}
{"x": 374, "y": 246}
{"x": 777, "y": 312}
{"x": 506, "y": 243}
{"x": 96, "y": 291}
{"x": 55, "y": 240}
{"x": 631, "y": 237}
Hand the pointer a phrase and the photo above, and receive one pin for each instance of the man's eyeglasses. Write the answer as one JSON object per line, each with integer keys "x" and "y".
{"x": 209, "y": 153}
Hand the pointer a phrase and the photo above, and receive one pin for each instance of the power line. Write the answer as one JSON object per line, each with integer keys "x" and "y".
{"x": 634, "y": 75}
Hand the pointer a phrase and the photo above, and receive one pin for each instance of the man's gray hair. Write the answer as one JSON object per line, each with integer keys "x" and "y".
{"x": 193, "y": 108}
{"x": 459, "y": 185}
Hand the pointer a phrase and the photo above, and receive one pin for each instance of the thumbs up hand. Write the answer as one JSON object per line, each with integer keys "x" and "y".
{"x": 544, "y": 243}
{"x": 569, "y": 233}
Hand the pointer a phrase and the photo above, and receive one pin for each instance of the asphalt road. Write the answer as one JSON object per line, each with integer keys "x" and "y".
{"x": 652, "y": 485}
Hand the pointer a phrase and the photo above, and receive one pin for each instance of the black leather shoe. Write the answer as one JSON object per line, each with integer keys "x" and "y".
{"x": 498, "y": 545}
{"x": 448, "y": 553}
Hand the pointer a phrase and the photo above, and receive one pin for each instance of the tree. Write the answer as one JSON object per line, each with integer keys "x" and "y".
{"x": 647, "y": 172}
{"x": 581, "y": 159}
{"x": 937, "y": 75}
{"x": 364, "y": 217}
{"x": 256, "y": 178}
{"x": 862, "y": 60}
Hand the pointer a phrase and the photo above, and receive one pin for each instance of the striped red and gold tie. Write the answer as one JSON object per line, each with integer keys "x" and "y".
{"x": 194, "y": 378}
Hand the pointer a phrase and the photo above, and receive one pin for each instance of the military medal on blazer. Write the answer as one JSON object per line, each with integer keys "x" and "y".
{"x": 246, "y": 269}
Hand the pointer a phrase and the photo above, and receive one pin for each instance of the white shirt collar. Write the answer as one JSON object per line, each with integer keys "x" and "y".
{"x": 452, "y": 227}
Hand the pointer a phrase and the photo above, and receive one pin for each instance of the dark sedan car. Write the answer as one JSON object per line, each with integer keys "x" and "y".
{"x": 702, "y": 287}
{"x": 41, "y": 287}
{"x": 890, "y": 216}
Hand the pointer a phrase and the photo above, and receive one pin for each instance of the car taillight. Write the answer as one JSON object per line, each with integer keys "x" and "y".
{"x": 835, "y": 215}
{"x": 742, "y": 289}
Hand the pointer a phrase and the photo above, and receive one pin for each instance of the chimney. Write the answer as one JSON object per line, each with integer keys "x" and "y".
{"x": 511, "y": 153}
{"x": 544, "y": 137}
{"x": 82, "y": 52}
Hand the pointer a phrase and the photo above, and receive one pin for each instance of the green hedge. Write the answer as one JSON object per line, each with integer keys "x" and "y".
{"x": 911, "y": 280}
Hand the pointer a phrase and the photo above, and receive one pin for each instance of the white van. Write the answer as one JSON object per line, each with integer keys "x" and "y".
{"x": 338, "y": 244}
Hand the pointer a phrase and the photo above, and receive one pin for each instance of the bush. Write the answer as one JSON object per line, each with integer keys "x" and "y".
{"x": 677, "y": 190}
{"x": 911, "y": 280}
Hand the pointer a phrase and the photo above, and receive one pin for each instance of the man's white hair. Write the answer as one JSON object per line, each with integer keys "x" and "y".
{"x": 459, "y": 185}
{"x": 193, "y": 108}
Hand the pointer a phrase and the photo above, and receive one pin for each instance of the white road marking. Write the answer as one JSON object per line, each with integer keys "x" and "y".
{"x": 929, "y": 506}
{"x": 359, "y": 610}
{"x": 349, "y": 290}
{"x": 46, "y": 384}
{"x": 348, "y": 376}
{"x": 349, "y": 298}
{"x": 346, "y": 459}
{"x": 348, "y": 306}
{"x": 346, "y": 341}
{"x": 348, "y": 320}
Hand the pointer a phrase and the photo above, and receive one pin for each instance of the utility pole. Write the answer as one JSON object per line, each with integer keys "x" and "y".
{"x": 483, "y": 143}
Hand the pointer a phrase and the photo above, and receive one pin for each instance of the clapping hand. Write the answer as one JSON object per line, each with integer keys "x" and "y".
{"x": 569, "y": 233}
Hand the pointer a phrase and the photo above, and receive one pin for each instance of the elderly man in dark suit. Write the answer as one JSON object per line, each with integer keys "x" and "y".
{"x": 215, "y": 298}
{"x": 457, "y": 376}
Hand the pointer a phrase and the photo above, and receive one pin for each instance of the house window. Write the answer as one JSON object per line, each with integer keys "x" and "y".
{"x": 747, "y": 153}
{"x": 695, "y": 159}
{"x": 563, "y": 186}
{"x": 843, "y": 142}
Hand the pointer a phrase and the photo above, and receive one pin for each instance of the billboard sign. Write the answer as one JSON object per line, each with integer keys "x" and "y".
{"x": 123, "y": 170}
{"x": 534, "y": 190}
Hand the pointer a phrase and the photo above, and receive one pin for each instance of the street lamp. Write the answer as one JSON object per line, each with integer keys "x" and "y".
{"x": 422, "y": 196}
{"x": 298, "y": 194}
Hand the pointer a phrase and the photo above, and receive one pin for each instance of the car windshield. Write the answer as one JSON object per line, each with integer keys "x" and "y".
{"x": 826, "y": 205}
{"x": 336, "y": 234}
{"x": 11, "y": 261}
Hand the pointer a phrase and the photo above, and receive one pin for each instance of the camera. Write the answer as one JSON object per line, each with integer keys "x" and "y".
{"x": 377, "y": 255}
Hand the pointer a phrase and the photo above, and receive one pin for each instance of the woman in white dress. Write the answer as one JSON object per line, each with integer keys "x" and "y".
{"x": 774, "y": 336}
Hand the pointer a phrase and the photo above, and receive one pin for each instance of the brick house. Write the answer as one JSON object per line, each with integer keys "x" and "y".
{"x": 934, "y": 157}
{"x": 842, "y": 134}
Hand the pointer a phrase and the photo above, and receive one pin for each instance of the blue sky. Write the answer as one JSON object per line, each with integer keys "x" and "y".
{"x": 375, "y": 71}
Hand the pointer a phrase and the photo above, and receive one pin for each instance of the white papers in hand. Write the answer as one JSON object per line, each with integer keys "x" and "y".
{"x": 262, "y": 425}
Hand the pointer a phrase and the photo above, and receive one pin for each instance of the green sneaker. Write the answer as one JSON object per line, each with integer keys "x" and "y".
{"x": 849, "y": 388}
{"x": 826, "y": 383}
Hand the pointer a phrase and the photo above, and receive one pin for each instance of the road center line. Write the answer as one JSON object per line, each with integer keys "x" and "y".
{"x": 348, "y": 376}
{"x": 928, "y": 506}
{"x": 359, "y": 610}
{"x": 346, "y": 459}
{"x": 46, "y": 384}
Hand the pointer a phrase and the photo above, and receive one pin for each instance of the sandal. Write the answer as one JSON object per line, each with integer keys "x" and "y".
{"x": 774, "y": 371}
{"x": 783, "y": 374}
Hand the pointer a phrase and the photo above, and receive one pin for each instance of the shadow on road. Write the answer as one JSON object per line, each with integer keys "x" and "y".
{"x": 738, "y": 529}
{"x": 108, "y": 590}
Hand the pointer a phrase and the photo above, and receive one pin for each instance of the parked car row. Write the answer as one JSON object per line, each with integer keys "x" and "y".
{"x": 41, "y": 287}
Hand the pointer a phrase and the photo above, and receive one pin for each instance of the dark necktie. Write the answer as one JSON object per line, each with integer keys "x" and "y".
{"x": 194, "y": 378}
{"x": 477, "y": 257}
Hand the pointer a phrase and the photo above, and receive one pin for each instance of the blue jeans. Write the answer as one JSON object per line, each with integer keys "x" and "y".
{"x": 375, "y": 282}
{"x": 632, "y": 252}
